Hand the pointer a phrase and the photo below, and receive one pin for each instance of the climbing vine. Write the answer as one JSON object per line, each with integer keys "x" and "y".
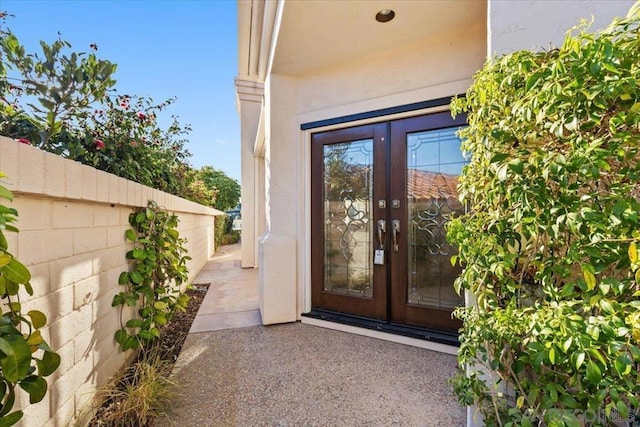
{"x": 154, "y": 284}
{"x": 549, "y": 249}
{"x": 25, "y": 357}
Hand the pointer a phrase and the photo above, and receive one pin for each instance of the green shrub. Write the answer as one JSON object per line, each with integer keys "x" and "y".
{"x": 155, "y": 282}
{"x": 549, "y": 246}
{"x": 223, "y": 224}
{"x": 231, "y": 238}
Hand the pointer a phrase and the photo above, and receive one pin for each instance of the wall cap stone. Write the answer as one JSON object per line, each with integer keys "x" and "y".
{"x": 32, "y": 157}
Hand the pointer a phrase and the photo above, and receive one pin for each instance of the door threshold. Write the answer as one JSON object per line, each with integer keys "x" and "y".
{"x": 423, "y": 338}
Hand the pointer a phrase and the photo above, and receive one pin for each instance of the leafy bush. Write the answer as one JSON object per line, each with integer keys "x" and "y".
{"x": 25, "y": 357}
{"x": 159, "y": 270}
{"x": 549, "y": 247}
{"x": 60, "y": 89}
{"x": 230, "y": 238}
{"x": 212, "y": 187}
{"x": 223, "y": 224}
{"x": 62, "y": 105}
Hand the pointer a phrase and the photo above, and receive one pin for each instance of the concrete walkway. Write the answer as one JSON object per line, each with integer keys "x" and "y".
{"x": 233, "y": 374}
{"x": 232, "y": 298}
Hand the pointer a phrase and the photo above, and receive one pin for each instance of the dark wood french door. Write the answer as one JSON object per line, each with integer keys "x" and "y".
{"x": 381, "y": 197}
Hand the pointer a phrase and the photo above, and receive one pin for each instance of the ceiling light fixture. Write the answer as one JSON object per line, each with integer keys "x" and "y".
{"x": 385, "y": 15}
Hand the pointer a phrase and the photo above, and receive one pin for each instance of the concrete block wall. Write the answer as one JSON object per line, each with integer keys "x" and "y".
{"x": 72, "y": 221}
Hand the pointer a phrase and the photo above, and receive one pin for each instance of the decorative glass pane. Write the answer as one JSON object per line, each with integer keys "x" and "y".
{"x": 347, "y": 197}
{"x": 434, "y": 161}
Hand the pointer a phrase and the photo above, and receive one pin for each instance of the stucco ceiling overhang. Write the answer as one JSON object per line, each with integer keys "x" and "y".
{"x": 315, "y": 34}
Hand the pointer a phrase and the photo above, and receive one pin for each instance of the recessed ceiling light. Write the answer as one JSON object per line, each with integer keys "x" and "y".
{"x": 385, "y": 15}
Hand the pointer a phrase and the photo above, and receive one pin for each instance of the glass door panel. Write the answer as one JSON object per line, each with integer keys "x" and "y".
{"x": 434, "y": 161}
{"x": 347, "y": 200}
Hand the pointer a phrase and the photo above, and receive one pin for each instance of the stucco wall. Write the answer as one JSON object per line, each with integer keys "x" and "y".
{"x": 442, "y": 60}
{"x": 72, "y": 220}
{"x": 512, "y": 26}
{"x": 437, "y": 67}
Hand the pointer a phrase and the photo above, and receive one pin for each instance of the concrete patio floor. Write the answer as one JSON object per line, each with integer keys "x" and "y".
{"x": 234, "y": 372}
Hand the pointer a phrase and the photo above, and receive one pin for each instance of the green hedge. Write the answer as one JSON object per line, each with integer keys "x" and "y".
{"x": 549, "y": 248}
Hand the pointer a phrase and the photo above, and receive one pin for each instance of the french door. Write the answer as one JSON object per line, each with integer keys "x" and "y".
{"x": 381, "y": 197}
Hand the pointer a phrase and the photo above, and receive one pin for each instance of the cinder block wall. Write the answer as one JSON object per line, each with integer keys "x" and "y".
{"x": 72, "y": 221}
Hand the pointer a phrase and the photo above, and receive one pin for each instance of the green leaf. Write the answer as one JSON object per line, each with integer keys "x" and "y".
{"x": 49, "y": 363}
{"x": 134, "y": 323}
{"x": 17, "y": 357}
{"x": 131, "y": 235}
{"x": 16, "y": 272}
{"x": 499, "y": 157}
{"x": 5, "y": 259}
{"x": 35, "y": 339}
{"x": 623, "y": 364}
{"x": 532, "y": 80}
{"x": 35, "y": 386}
{"x": 136, "y": 277}
{"x": 516, "y": 165}
{"x": 623, "y": 410}
{"x": 140, "y": 217}
{"x": 123, "y": 279}
{"x": 11, "y": 287}
{"x": 594, "y": 374}
{"x": 10, "y": 419}
{"x": 160, "y": 319}
{"x": 579, "y": 359}
{"x": 589, "y": 279}
{"x": 130, "y": 343}
{"x": 5, "y": 193}
{"x": 160, "y": 305}
{"x": 121, "y": 336}
{"x": 502, "y": 172}
{"x": 633, "y": 253}
{"x": 607, "y": 307}
{"x": 139, "y": 253}
{"x": 146, "y": 335}
{"x": 38, "y": 318}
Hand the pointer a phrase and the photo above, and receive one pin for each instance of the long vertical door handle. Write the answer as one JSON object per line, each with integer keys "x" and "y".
{"x": 396, "y": 231}
{"x": 382, "y": 228}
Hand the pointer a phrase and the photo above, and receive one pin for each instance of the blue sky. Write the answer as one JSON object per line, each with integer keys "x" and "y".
{"x": 164, "y": 49}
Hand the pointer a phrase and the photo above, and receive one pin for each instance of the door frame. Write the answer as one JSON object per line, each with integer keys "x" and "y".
{"x": 395, "y": 309}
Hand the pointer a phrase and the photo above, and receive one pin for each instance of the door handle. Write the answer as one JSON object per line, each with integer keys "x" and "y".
{"x": 396, "y": 231}
{"x": 382, "y": 228}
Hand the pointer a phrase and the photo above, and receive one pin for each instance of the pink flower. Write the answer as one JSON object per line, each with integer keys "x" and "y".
{"x": 24, "y": 141}
{"x": 124, "y": 105}
{"x": 99, "y": 144}
{"x": 133, "y": 144}
{"x": 141, "y": 115}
